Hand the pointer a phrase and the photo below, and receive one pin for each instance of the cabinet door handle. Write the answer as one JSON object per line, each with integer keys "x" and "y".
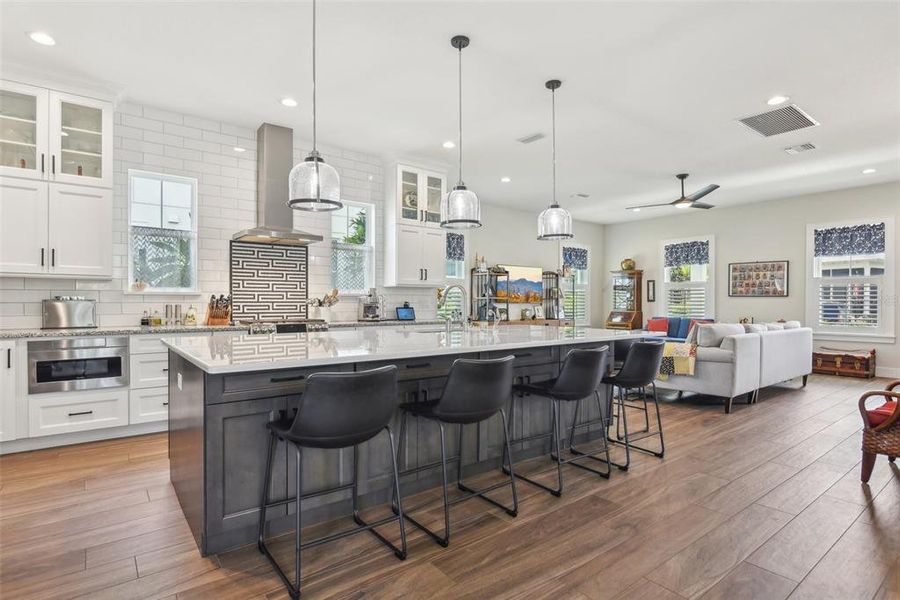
{"x": 42, "y": 162}
{"x": 53, "y": 164}
{"x": 421, "y": 274}
{"x": 288, "y": 378}
{"x": 9, "y": 358}
{"x": 166, "y": 403}
{"x": 166, "y": 370}
{"x": 84, "y": 412}
{"x": 418, "y": 366}
{"x": 426, "y": 274}
{"x": 53, "y": 257}
{"x": 522, "y": 355}
{"x": 43, "y": 250}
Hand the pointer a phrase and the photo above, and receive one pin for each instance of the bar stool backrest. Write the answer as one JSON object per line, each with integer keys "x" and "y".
{"x": 475, "y": 389}
{"x": 581, "y": 373}
{"x": 339, "y": 410}
{"x": 641, "y": 364}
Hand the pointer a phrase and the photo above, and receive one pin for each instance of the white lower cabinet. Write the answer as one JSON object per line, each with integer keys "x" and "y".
{"x": 7, "y": 391}
{"x": 68, "y": 412}
{"x": 149, "y": 405}
{"x": 149, "y": 370}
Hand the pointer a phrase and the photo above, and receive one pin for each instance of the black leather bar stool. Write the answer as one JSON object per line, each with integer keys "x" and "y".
{"x": 475, "y": 391}
{"x": 337, "y": 410}
{"x": 639, "y": 371}
{"x": 578, "y": 379}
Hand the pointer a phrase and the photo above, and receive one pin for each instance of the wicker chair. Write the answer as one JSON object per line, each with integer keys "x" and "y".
{"x": 881, "y": 434}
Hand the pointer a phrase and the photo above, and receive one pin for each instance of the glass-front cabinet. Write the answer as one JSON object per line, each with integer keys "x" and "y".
{"x": 419, "y": 194}
{"x": 54, "y": 136}
{"x": 23, "y": 130}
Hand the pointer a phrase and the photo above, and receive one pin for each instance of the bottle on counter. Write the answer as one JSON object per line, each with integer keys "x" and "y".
{"x": 156, "y": 320}
{"x": 145, "y": 319}
{"x": 191, "y": 317}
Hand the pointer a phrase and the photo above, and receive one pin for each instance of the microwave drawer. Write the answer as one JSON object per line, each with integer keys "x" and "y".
{"x": 76, "y": 411}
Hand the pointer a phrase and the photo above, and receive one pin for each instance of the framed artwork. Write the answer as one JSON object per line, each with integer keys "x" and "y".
{"x": 651, "y": 290}
{"x": 767, "y": 279}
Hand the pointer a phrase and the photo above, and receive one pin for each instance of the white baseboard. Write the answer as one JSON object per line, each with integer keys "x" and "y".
{"x": 66, "y": 439}
{"x": 889, "y": 372}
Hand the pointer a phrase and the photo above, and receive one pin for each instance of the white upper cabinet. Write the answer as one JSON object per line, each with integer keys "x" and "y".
{"x": 54, "y": 136}
{"x": 418, "y": 197}
{"x": 80, "y": 231}
{"x": 23, "y": 131}
{"x": 419, "y": 257}
{"x": 23, "y": 226}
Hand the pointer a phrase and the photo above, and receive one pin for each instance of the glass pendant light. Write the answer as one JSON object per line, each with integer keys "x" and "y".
{"x": 314, "y": 185}
{"x": 555, "y": 223}
{"x": 460, "y": 208}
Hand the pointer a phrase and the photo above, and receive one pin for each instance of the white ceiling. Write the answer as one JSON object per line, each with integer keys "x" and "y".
{"x": 649, "y": 89}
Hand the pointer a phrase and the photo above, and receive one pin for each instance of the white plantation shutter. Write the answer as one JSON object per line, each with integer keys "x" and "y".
{"x": 686, "y": 300}
{"x": 688, "y": 277}
{"x": 848, "y": 304}
{"x": 576, "y": 305}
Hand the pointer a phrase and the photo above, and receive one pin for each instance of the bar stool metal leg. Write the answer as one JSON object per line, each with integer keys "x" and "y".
{"x": 592, "y": 455}
{"x": 630, "y": 440}
{"x": 622, "y": 417}
{"x": 398, "y": 552}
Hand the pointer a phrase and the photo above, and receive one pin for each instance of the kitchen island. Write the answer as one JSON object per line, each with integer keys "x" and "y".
{"x": 223, "y": 391}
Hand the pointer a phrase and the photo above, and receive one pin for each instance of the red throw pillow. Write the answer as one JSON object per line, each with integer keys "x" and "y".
{"x": 698, "y": 322}
{"x": 882, "y": 413}
{"x": 660, "y": 325}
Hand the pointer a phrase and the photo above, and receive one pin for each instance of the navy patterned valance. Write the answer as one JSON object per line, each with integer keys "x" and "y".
{"x": 576, "y": 258}
{"x": 687, "y": 253}
{"x": 456, "y": 246}
{"x": 846, "y": 241}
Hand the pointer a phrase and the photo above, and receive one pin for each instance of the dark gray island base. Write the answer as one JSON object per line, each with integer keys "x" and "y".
{"x": 218, "y": 438}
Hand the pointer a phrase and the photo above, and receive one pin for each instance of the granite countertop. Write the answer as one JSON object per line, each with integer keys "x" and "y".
{"x": 246, "y": 353}
{"x": 11, "y": 334}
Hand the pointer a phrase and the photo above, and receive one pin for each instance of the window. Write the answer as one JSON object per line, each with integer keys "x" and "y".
{"x": 456, "y": 269}
{"x": 688, "y": 269}
{"x": 576, "y": 288}
{"x": 162, "y": 232}
{"x": 352, "y": 248}
{"x": 850, "y": 277}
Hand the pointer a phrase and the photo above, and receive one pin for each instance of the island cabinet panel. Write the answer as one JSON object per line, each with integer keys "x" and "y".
{"x": 247, "y": 386}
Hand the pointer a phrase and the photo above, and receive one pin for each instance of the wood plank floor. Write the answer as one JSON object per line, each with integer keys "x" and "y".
{"x": 763, "y": 503}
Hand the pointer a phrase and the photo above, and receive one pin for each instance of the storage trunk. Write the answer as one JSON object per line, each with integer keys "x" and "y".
{"x": 849, "y": 363}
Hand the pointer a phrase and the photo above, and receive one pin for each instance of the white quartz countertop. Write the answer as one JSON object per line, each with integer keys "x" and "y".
{"x": 245, "y": 353}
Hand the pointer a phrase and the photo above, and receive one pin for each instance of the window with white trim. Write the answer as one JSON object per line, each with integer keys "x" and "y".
{"x": 576, "y": 288}
{"x": 850, "y": 278}
{"x": 353, "y": 248}
{"x": 162, "y": 232}
{"x": 688, "y": 268}
{"x": 456, "y": 269}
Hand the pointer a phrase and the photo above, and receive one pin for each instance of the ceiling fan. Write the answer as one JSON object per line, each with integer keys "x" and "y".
{"x": 684, "y": 201}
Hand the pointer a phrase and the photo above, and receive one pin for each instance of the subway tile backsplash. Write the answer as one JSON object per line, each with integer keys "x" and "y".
{"x": 163, "y": 141}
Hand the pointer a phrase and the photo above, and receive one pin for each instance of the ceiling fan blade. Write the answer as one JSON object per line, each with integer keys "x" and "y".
{"x": 701, "y": 205}
{"x": 648, "y": 206}
{"x": 702, "y": 192}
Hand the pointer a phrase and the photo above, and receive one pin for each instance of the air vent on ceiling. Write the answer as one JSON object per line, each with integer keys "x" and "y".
{"x": 800, "y": 148}
{"x": 780, "y": 120}
{"x": 531, "y": 138}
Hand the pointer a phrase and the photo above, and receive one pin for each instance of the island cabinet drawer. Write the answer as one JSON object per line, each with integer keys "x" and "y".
{"x": 148, "y": 405}
{"x": 416, "y": 368}
{"x": 247, "y": 386}
{"x": 149, "y": 370}
{"x": 74, "y": 411}
{"x": 528, "y": 356}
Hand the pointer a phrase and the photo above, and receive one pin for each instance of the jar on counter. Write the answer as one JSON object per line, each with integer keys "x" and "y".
{"x": 156, "y": 321}
{"x": 191, "y": 317}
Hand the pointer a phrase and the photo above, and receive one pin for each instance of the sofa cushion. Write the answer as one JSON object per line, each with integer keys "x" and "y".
{"x": 791, "y": 324}
{"x": 755, "y": 327}
{"x": 718, "y": 355}
{"x": 711, "y": 334}
{"x": 879, "y": 415}
{"x": 658, "y": 324}
{"x": 774, "y": 326}
{"x": 674, "y": 325}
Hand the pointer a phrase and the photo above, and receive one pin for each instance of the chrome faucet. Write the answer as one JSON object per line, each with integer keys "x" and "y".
{"x": 457, "y": 315}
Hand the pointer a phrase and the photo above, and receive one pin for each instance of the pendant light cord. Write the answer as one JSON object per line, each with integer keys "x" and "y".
{"x": 460, "y": 120}
{"x": 553, "y": 112}
{"x": 315, "y": 151}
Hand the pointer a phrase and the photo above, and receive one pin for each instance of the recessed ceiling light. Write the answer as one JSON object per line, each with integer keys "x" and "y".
{"x": 776, "y": 100}
{"x": 635, "y": 209}
{"x": 63, "y": 134}
{"x": 505, "y": 179}
{"x": 239, "y": 149}
{"x": 289, "y": 102}
{"x": 449, "y": 144}
{"x": 868, "y": 171}
{"x": 42, "y": 38}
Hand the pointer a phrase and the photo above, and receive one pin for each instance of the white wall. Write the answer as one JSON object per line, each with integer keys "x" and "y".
{"x": 773, "y": 230}
{"x": 510, "y": 237}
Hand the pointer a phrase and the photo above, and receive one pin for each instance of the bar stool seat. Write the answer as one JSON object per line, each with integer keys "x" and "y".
{"x": 579, "y": 378}
{"x": 476, "y": 391}
{"x": 337, "y": 410}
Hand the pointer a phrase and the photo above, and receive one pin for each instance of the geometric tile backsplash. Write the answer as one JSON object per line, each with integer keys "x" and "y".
{"x": 268, "y": 282}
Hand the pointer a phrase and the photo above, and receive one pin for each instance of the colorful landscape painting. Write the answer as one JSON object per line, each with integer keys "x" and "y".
{"x": 526, "y": 285}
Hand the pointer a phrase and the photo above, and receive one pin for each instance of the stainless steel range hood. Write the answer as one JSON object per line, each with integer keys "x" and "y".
{"x": 274, "y": 160}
